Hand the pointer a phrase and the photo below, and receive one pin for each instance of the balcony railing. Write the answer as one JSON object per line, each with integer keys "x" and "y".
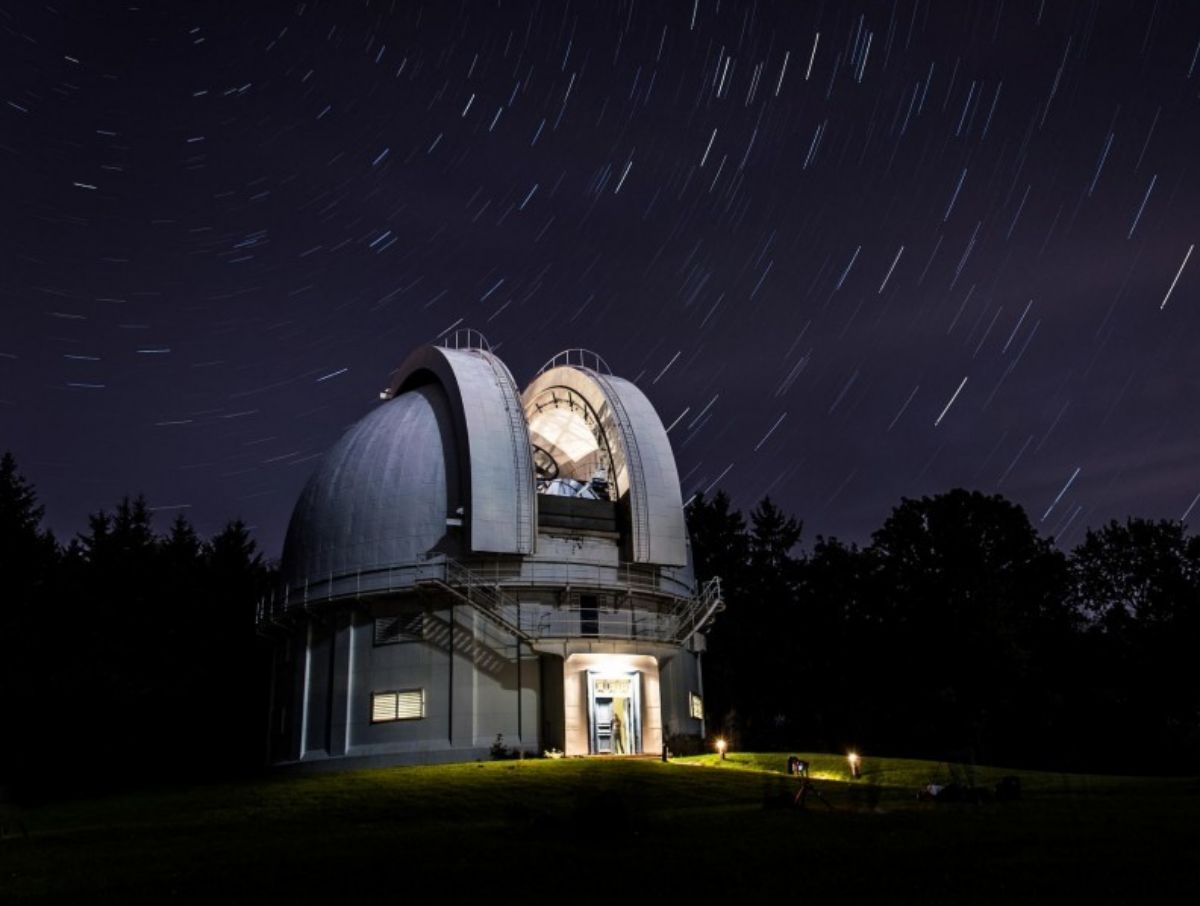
{"x": 670, "y": 618}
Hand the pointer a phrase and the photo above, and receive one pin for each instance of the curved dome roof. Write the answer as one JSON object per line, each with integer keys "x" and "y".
{"x": 380, "y": 496}
{"x": 445, "y": 466}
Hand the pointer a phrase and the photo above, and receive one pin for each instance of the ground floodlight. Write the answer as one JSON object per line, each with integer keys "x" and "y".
{"x": 721, "y": 747}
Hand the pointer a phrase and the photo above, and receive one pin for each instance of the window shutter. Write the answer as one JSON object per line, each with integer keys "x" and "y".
{"x": 406, "y": 705}
{"x": 404, "y": 628}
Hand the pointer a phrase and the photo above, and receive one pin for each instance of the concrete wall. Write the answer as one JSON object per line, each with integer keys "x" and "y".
{"x": 315, "y": 731}
{"x": 679, "y": 676}
{"x": 478, "y": 681}
{"x": 424, "y": 665}
{"x": 553, "y": 727}
{"x": 506, "y": 680}
{"x": 287, "y": 692}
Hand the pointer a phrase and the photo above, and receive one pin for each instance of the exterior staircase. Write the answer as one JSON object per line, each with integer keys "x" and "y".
{"x": 485, "y": 597}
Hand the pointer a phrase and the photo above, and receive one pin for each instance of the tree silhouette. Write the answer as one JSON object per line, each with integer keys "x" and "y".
{"x": 1138, "y": 585}
{"x": 773, "y": 537}
{"x": 838, "y": 647}
{"x": 972, "y": 601}
{"x": 721, "y": 548}
{"x": 28, "y": 557}
{"x": 774, "y": 625}
{"x": 719, "y": 543}
{"x": 128, "y": 657}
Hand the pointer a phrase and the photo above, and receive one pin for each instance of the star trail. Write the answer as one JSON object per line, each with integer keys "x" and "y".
{"x": 853, "y": 252}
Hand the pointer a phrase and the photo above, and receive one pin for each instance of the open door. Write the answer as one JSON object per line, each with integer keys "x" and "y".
{"x": 614, "y": 713}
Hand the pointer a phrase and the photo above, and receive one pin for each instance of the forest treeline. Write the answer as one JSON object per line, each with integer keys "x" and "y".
{"x": 129, "y": 657}
{"x": 957, "y": 633}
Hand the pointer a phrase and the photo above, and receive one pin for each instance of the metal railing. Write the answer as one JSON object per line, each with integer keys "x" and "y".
{"x": 694, "y": 614}
{"x": 673, "y": 624}
{"x": 670, "y": 619}
{"x": 485, "y": 597}
{"x": 465, "y": 338}
{"x": 583, "y": 358}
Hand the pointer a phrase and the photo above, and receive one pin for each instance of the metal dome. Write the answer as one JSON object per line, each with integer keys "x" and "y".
{"x": 379, "y": 498}
{"x": 468, "y": 561}
{"x": 444, "y": 470}
{"x": 443, "y": 466}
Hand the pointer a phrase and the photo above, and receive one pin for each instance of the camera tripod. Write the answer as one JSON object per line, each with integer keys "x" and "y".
{"x": 807, "y": 787}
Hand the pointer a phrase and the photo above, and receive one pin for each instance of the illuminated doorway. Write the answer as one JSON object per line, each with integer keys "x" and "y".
{"x": 614, "y": 713}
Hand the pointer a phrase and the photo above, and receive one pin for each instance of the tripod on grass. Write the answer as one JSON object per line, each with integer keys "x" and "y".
{"x": 808, "y": 787}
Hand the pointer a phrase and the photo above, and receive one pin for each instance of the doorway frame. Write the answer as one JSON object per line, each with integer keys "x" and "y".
{"x": 635, "y": 707}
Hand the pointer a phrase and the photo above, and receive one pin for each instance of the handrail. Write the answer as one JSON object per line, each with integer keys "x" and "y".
{"x": 488, "y": 599}
{"x": 674, "y": 620}
{"x": 466, "y": 338}
{"x": 702, "y": 610}
{"x": 583, "y": 358}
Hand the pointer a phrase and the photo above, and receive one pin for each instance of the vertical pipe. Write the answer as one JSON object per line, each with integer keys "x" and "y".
{"x": 520, "y": 690}
{"x": 347, "y": 741}
{"x": 303, "y": 748}
{"x": 269, "y": 751}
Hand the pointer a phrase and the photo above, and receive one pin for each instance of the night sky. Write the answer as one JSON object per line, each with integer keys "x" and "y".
{"x": 852, "y": 252}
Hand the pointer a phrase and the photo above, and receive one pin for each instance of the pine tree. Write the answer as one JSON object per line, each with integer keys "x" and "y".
{"x": 21, "y": 535}
{"x": 28, "y": 557}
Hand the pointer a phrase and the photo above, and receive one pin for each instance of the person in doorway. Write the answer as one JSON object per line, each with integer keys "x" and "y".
{"x": 618, "y": 743}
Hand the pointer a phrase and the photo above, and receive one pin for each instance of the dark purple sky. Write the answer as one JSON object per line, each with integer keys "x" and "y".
{"x": 803, "y": 228}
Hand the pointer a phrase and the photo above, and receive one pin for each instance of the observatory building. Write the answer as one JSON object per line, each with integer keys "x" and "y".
{"x": 470, "y": 560}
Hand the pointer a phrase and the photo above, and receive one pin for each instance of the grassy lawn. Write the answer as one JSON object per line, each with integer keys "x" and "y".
{"x": 606, "y": 830}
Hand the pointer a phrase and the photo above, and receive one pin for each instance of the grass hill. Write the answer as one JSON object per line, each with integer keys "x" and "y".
{"x": 615, "y": 831}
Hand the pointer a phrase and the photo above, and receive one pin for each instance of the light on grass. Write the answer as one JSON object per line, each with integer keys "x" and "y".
{"x": 855, "y": 764}
{"x": 721, "y": 747}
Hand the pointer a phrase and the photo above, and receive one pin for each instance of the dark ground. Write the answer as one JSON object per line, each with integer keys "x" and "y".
{"x": 605, "y": 831}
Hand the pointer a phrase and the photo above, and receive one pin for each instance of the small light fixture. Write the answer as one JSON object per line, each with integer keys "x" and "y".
{"x": 721, "y": 747}
{"x": 855, "y": 764}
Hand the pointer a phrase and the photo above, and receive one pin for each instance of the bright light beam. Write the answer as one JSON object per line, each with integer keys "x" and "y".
{"x": 951, "y": 403}
{"x": 888, "y": 275}
{"x": 1188, "y": 511}
{"x": 778, "y": 422}
{"x": 1177, "y": 275}
{"x": 1074, "y": 475}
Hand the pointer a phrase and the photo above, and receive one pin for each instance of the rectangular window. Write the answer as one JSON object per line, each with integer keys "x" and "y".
{"x": 589, "y": 615}
{"x": 404, "y": 628}
{"x": 696, "y": 705}
{"x": 405, "y": 705}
